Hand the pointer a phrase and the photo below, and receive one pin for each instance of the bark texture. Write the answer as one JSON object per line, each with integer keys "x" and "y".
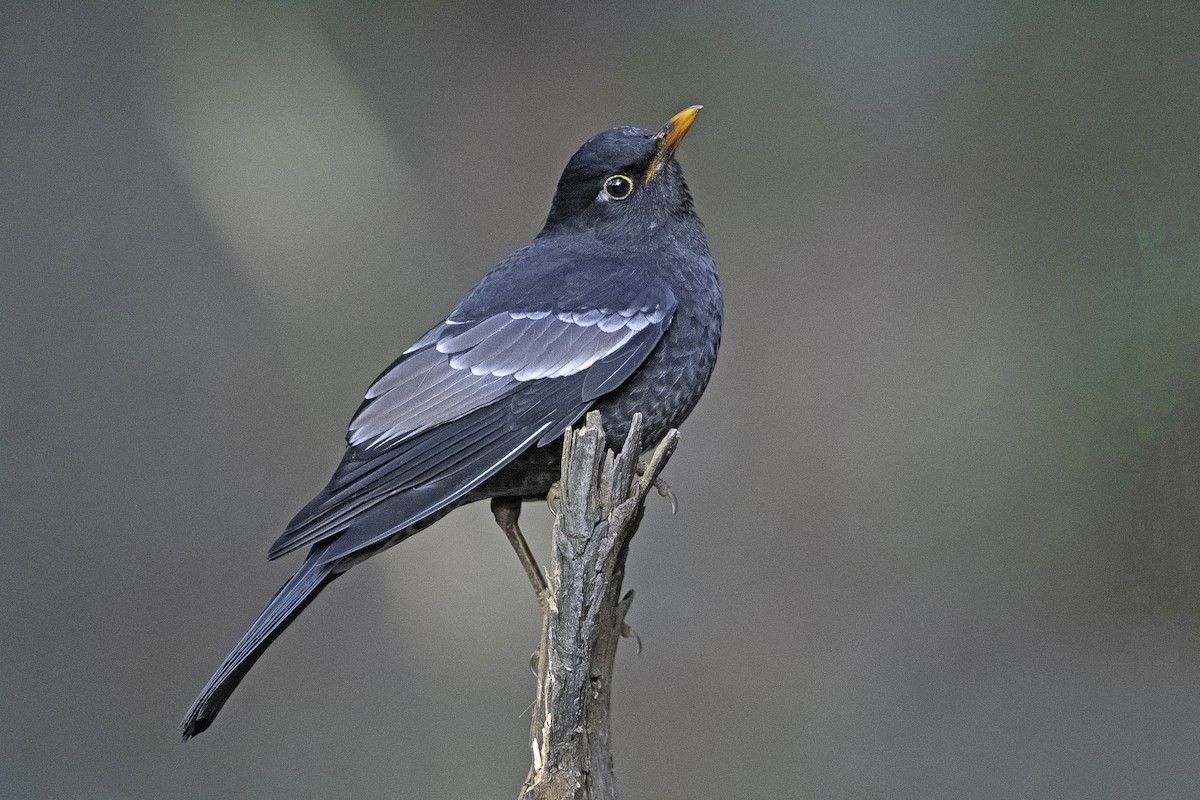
{"x": 601, "y": 501}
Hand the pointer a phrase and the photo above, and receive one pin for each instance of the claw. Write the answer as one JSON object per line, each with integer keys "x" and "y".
{"x": 629, "y": 633}
{"x": 554, "y": 499}
{"x": 664, "y": 490}
{"x": 662, "y": 487}
{"x": 546, "y": 599}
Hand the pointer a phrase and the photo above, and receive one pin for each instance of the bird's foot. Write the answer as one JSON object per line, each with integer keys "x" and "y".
{"x": 554, "y": 499}
{"x": 629, "y": 633}
{"x": 545, "y": 595}
{"x": 662, "y": 487}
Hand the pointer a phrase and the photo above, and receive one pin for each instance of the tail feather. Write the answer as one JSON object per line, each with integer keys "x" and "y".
{"x": 289, "y": 601}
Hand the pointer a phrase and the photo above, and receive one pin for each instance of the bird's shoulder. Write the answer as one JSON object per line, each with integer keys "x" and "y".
{"x": 568, "y": 274}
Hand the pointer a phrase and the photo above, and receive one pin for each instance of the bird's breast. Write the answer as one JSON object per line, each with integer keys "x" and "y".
{"x": 668, "y": 386}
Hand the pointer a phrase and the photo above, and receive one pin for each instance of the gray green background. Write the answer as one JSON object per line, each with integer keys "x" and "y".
{"x": 939, "y": 533}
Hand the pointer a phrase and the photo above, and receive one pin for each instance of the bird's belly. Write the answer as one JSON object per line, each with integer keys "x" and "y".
{"x": 663, "y": 398}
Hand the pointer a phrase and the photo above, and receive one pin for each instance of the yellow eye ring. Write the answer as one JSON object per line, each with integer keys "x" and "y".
{"x": 617, "y": 187}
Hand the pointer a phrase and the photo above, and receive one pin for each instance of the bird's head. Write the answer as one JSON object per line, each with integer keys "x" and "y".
{"x": 625, "y": 180}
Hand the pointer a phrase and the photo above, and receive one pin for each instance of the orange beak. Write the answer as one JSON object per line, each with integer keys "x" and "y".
{"x": 669, "y": 137}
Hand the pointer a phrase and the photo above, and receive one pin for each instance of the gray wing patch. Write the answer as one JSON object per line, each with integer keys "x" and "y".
{"x": 543, "y": 345}
{"x": 458, "y": 367}
{"x": 418, "y": 393}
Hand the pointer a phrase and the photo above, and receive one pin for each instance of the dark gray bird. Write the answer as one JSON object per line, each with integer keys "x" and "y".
{"x": 614, "y": 305}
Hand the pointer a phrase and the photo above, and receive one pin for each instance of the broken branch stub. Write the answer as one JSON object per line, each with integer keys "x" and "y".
{"x": 602, "y": 498}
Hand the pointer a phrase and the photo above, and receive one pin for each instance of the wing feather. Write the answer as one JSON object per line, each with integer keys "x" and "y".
{"x": 358, "y": 485}
{"x": 467, "y": 399}
{"x": 488, "y": 361}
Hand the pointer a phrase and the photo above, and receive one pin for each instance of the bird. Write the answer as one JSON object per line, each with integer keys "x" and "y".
{"x": 615, "y": 305}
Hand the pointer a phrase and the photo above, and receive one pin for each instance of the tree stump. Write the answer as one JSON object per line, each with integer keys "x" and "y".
{"x": 601, "y": 502}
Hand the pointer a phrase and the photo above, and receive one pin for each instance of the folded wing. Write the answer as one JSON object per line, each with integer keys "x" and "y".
{"x": 462, "y": 403}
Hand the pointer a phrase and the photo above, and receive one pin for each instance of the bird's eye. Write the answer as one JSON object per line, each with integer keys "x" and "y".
{"x": 618, "y": 187}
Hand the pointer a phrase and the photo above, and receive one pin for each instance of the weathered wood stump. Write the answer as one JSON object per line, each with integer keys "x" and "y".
{"x": 600, "y": 505}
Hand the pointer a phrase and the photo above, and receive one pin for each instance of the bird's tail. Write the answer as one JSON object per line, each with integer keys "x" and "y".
{"x": 298, "y": 592}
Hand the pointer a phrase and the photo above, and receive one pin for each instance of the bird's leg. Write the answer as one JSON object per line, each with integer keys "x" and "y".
{"x": 662, "y": 487}
{"x": 507, "y": 510}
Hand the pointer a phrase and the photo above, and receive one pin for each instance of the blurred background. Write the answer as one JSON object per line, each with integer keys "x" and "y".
{"x": 939, "y": 533}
